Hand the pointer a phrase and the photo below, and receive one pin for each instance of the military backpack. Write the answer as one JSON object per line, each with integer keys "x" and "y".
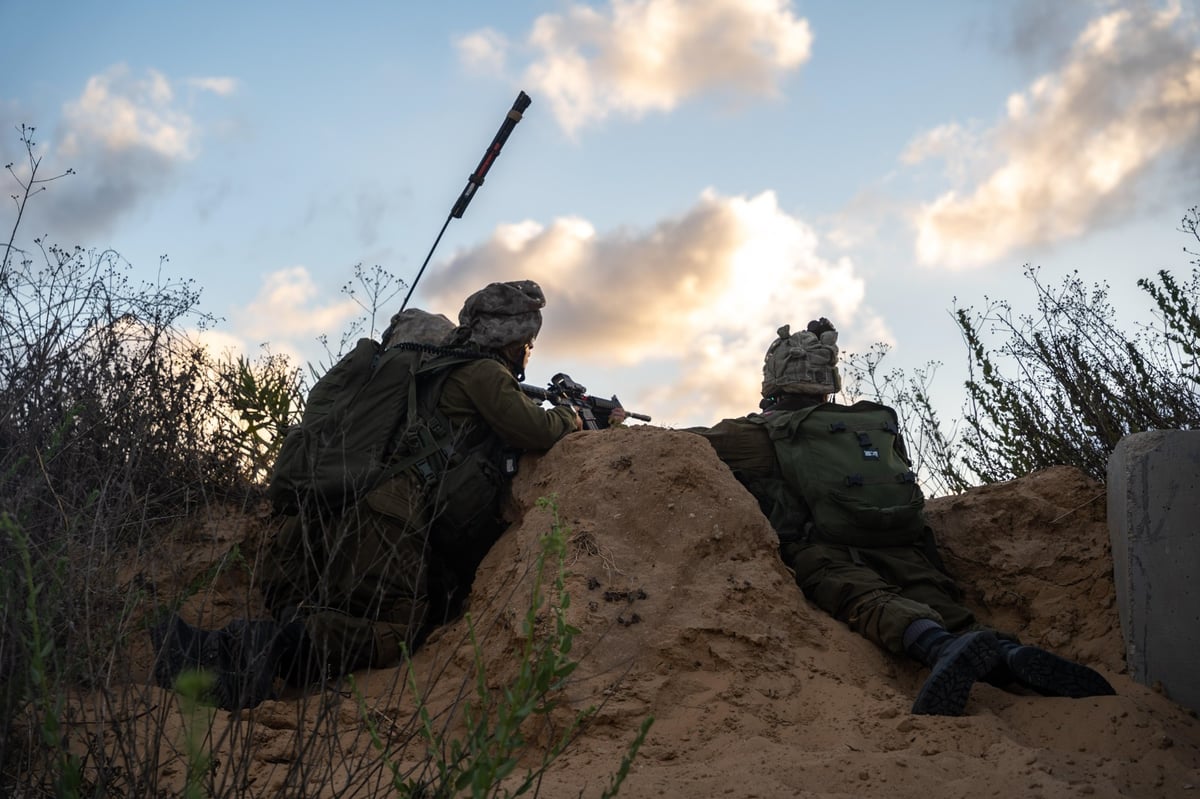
{"x": 849, "y": 464}
{"x": 369, "y": 417}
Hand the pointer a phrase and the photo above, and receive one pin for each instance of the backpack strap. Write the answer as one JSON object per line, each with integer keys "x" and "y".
{"x": 425, "y": 442}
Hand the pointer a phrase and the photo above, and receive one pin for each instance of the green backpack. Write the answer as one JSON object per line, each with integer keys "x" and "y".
{"x": 366, "y": 419}
{"x": 849, "y": 464}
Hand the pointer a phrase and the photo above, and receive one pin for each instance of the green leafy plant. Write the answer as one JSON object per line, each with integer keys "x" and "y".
{"x": 39, "y": 685}
{"x": 194, "y": 687}
{"x": 263, "y": 397}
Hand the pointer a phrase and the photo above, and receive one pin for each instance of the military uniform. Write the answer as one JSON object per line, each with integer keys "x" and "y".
{"x": 368, "y": 581}
{"x": 877, "y": 591}
{"x": 357, "y": 582}
{"x": 871, "y": 561}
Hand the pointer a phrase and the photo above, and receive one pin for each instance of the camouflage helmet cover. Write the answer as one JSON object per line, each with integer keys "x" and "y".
{"x": 503, "y": 313}
{"x": 416, "y": 325}
{"x": 803, "y": 362}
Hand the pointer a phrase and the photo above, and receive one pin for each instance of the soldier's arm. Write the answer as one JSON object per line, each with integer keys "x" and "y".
{"x": 746, "y": 448}
{"x": 491, "y": 391}
{"x": 743, "y": 446}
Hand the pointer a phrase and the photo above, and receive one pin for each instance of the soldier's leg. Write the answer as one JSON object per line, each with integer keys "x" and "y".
{"x": 1030, "y": 666}
{"x": 920, "y": 581}
{"x": 244, "y": 656}
{"x": 839, "y": 582}
{"x": 295, "y": 560}
{"x": 862, "y": 588}
{"x": 373, "y": 600}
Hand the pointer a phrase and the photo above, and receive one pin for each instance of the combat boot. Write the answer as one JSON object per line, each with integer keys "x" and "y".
{"x": 956, "y": 662}
{"x": 244, "y": 657}
{"x": 250, "y": 657}
{"x": 1049, "y": 674}
{"x": 180, "y": 647}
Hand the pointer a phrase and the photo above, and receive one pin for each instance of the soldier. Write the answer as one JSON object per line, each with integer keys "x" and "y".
{"x": 836, "y": 484}
{"x": 359, "y": 586}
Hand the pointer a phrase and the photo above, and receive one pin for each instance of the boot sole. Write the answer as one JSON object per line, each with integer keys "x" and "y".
{"x": 948, "y": 686}
{"x": 1051, "y": 675}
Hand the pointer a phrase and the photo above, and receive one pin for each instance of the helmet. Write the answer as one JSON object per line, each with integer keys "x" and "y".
{"x": 501, "y": 314}
{"x": 416, "y": 325}
{"x": 804, "y": 362}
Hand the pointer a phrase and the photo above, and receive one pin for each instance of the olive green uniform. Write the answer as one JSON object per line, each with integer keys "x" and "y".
{"x": 878, "y": 591}
{"x": 368, "y": 580}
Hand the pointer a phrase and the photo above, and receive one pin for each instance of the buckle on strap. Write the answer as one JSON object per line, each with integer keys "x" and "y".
{"x": 425, "y": 472}
{"x": 425, "y": 455}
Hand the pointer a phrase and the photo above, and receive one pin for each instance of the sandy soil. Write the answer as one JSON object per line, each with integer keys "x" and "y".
{"x": 686, "y": 613}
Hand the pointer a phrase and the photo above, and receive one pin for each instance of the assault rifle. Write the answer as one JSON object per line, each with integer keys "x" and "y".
{"x": 593, "y": 410}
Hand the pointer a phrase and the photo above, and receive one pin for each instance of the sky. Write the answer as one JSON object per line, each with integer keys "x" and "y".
{"x": 689, "y": 176}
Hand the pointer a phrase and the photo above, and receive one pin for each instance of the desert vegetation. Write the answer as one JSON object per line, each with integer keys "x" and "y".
{"x": 1058, "y": 386}
{"x": 118, "y": 431}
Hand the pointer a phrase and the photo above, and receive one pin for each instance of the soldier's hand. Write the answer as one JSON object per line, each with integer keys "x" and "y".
{"x": 578, "y": 418}
{"x": 616, "y": 417}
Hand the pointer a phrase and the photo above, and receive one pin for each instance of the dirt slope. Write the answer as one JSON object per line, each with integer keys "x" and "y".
{"x": 686, "y": 612}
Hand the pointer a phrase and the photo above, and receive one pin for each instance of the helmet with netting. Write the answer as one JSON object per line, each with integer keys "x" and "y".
{"x": 501, "y": 314}
{"x": 804, "y": 362}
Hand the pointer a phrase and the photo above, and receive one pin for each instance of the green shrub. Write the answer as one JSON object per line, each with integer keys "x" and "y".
{"x": 1060, "y": 386}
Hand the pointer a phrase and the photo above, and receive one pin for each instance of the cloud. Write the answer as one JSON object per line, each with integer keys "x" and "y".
{"x": 1076, "y": 146}
{"x": 633, "y": 57}
{"x": 701, "y": 294}
{"x": 124, "y": 136}
{"x": 119, "y": 112}
{"x": 222, "y": 87}
{"x": 287, "y": 308}
{"x": 1038, "y": 32}
{"x": 483, "y": 51}
{"x": 286, "y": 317}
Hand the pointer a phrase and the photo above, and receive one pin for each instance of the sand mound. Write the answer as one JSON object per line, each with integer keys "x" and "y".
{"x": 686, "y": 612}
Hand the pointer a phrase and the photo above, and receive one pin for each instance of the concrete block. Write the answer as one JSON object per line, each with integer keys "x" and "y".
{"x": 1154, "y": 524}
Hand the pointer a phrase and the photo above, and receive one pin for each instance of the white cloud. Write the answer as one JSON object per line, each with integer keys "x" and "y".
{"x": 120, "y": 112}
{"x": 483, "y": 51}
{"x": 219, "y": 343}
{"x": 125, "y": 136}
{"x": 287, "y": 307}
{"x": 701, "y": 294}
{"x": 222, "y": 87}
{"x": 632, "y": 57}
{"x": 942, "y": 141}
{"x": 1076, "y": 146}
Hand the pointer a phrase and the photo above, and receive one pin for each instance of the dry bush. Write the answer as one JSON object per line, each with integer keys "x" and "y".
{"x": 116, "y": 430}
{"x": 1057, "y": 387}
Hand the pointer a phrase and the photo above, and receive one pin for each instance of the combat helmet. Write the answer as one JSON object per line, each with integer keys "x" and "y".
{"x": 802, "y": 363}
{"x": 501, "y": 314}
